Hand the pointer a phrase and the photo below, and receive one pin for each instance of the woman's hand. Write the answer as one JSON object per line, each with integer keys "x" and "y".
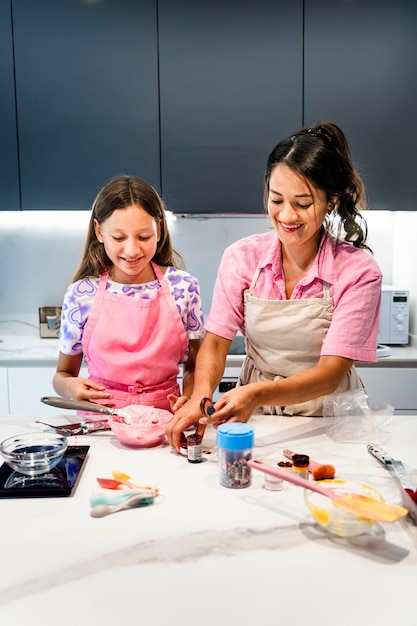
{"x": 236, "y": 405}
{"x": 184, "y": 417}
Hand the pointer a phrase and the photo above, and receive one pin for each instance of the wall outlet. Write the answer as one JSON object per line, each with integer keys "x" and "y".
{"x": 49, "y": 321}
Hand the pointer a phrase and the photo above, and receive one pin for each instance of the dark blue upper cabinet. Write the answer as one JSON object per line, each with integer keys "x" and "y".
{"x": 192, "y": 96}
{"x": 360, "y": 72}
{"x": 9, "y": 171}
{"x": 87, "y": 97}
{"x": 230, "y": 89}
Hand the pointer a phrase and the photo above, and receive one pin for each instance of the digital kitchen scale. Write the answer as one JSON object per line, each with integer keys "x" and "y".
{"x": 61, "y": 481}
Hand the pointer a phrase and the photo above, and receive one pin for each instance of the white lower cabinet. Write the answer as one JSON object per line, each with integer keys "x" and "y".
{"x": 26, "y": 386}
{"x": 396, "y": 386}
{"x": 22, "y": 387}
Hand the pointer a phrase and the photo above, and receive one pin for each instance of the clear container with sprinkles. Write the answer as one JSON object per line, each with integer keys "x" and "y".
{"x": 235, "y": 442}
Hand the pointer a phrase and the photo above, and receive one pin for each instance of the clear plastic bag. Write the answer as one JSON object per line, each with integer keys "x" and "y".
{"x": 352, "y": 417}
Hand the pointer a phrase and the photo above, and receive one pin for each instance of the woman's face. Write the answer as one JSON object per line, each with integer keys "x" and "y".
{"x": 296, "y": 209}
{"x": 130, "y": 237}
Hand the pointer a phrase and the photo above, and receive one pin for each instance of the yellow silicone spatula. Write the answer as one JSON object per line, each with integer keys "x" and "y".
{"x": 358, "y": 504}
{"x": 128, "y": 480}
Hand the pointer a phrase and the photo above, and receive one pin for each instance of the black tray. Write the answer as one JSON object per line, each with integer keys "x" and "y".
{"x": 59, "y": 482}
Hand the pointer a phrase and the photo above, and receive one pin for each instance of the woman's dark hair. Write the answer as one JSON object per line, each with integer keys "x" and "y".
{"x": 321, "y": 155}
{"x": 119, "y": 193}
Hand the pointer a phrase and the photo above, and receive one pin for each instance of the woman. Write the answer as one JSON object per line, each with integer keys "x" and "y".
{"x": 306, "y": 296}
{"x": 130, "y": 312}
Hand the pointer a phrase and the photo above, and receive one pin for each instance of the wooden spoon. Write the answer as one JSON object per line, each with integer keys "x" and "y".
{"x": 358, "y": 504}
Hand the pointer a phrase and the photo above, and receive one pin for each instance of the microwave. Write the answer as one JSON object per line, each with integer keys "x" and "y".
{"x": 394, "y": 316}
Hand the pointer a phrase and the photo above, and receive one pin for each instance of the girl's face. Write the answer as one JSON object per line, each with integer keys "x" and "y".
{"x": 296, "y": 209}
{"x": 130, "y": 237}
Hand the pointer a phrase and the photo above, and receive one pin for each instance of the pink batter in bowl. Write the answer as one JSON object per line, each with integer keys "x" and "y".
{"x": 144, "y": 426}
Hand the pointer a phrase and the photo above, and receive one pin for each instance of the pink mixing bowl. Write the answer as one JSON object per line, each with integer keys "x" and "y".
{"x": 146, "y": 425}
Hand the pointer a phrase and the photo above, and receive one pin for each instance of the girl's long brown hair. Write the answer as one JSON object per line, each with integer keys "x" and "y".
{"x": 120, "y": 193}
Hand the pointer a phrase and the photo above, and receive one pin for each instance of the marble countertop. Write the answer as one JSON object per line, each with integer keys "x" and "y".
{"x": 27, "y": 349}
{"x": 203, "y": 552}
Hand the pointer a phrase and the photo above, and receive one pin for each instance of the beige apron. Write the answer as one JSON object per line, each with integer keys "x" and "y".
{"x": 284, "y": 337}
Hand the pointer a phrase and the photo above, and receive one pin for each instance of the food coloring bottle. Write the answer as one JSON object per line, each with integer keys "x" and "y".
{"x": 300, "y": 464}
{"x": 194, "y": 451}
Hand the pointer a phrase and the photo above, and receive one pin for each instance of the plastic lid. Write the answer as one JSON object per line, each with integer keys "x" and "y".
{"x": 300, "y": 460}
{"x": 235, "y": 436}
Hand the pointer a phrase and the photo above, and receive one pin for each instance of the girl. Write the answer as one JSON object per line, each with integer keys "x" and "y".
{"x": 130, "y": 312}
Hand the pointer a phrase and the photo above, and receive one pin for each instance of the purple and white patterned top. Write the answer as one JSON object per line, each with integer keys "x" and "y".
{"x": 184, "y": 287}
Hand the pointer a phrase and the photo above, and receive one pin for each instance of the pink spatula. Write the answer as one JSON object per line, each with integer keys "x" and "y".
{"x": 358, "y": 504}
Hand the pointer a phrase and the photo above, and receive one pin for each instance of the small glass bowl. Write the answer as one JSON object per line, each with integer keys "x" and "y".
{"x": 33, "y": 454}
{"x": 334, "y": 519}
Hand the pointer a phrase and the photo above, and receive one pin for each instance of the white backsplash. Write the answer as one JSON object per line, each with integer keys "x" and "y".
{"x": 39, "y": 251}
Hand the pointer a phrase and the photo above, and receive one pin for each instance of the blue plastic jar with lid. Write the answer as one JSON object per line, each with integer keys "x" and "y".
{"x": 235, "y": 442}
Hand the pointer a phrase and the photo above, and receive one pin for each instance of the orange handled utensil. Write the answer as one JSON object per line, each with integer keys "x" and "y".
{"x": 122, "y": 481}
{"x": 358, "y": 504}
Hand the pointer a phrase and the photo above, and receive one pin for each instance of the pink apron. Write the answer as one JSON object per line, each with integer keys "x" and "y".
{"x": 133, "y": 346}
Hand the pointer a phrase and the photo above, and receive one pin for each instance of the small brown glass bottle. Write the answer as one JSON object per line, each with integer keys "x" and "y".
{"x": 300, "y": 464}
{"x": 194, "y": 451}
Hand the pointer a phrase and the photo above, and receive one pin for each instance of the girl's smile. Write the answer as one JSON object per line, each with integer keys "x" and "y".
{"x": 130, "y": 238}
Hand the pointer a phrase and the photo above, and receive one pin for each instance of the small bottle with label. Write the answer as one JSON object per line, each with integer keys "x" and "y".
{"x": 194, "y": 450}
{"x": 300, "y": 464}
{"x": 235, "y": 442}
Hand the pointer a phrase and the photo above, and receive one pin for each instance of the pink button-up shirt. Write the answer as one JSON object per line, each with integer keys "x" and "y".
{"x": 355, "y": 287}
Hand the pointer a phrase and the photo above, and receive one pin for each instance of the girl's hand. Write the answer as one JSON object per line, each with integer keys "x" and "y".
{"x": 68, "y": 384}
{"x": 85, "y": 389}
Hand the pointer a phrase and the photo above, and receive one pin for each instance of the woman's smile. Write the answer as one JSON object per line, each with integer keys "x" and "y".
{"x": 296, "y": 208}
{"x": 289, "y": 227}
